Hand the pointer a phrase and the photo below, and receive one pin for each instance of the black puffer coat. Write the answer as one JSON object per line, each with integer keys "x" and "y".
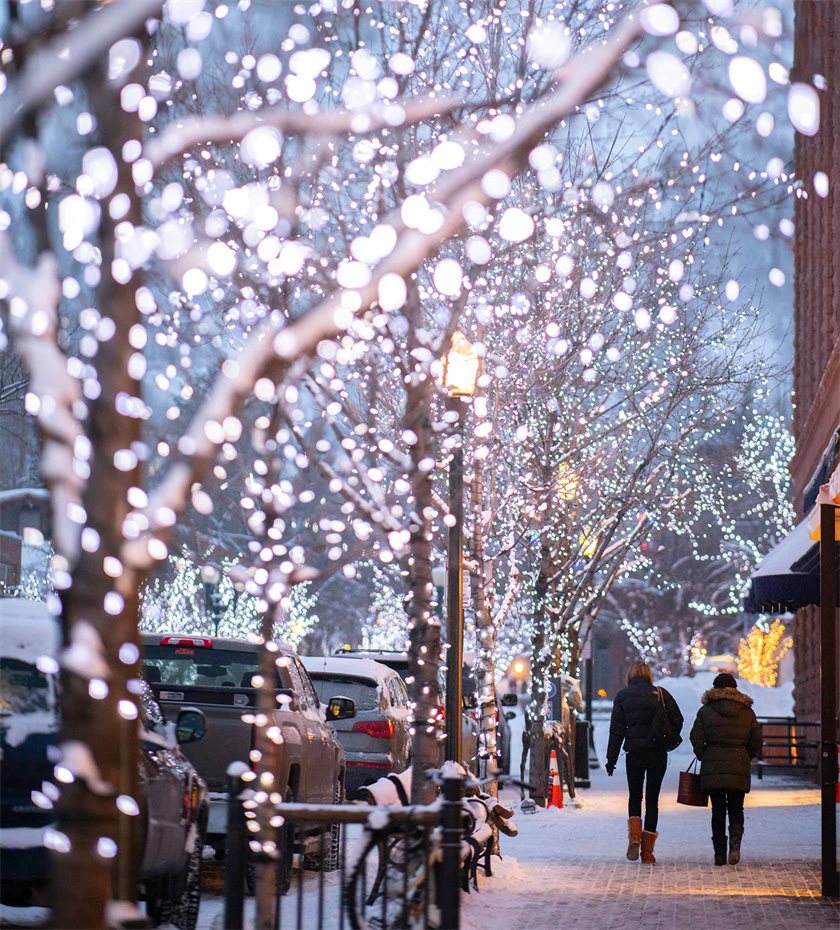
{"x": 633, "y": 711}
{"x": 725, "y": 737}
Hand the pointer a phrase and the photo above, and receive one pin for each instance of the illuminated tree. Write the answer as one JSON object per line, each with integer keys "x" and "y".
{"x": 761, "y": 651}
{"x": 252, "y": 244}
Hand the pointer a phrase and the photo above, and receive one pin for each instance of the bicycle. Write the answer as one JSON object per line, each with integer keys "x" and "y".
{"x": 405, "y": 857}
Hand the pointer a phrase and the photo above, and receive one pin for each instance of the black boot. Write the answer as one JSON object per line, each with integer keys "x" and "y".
{"x": 719, "y": 843}
{"x": 736, "y": 832}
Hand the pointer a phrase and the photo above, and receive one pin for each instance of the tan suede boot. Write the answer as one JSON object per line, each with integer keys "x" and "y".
{"x": 634, "y": 838}
{"x": 648, "y": 842}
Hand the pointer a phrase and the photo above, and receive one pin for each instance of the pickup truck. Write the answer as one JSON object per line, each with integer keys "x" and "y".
{"x": 215, "y": 675}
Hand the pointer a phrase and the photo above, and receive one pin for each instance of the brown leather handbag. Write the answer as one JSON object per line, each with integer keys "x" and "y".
{"x": 690, "y": 792}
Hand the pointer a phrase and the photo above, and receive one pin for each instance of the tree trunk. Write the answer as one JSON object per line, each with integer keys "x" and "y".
{"x": 424, "y": 626}
{"x": 100, "y": 615}
{"x": 485, "y": 635}
{"x": 540, "y": 663}
{"x": 267, "y": 766}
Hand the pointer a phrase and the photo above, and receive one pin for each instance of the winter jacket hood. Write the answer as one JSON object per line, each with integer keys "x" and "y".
{"x": 726, "y": 694}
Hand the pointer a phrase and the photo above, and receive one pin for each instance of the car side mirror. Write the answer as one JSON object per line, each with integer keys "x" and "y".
{"x": 510, "y": 700}
{"x": 190, "y": 726}
{"x": 510, "y": 715}
{"x": 341, "y": 708}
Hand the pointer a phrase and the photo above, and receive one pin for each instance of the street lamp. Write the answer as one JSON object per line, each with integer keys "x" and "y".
{"x": 459, "y": 374}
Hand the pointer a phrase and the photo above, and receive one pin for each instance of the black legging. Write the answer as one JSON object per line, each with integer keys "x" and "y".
{"x": 724, "y": 801}
{"x": 645, "y": 771}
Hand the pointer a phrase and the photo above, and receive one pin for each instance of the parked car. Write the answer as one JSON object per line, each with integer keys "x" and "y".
{"x": 216, "y": 675}
{"x": 377, "y": 740}
{"x": 503, "y": 717}
{"x": 173, "y": 797}
{"x": 398, "y": 661}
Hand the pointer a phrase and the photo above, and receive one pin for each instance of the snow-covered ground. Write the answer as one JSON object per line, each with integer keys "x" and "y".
{"x": 568, "y": 867}
{"x": 576, "y": 855}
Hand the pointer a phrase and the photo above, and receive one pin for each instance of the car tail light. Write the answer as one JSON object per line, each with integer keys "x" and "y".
{"x": 187, "y": 641}
{"x": 375, "y": 729}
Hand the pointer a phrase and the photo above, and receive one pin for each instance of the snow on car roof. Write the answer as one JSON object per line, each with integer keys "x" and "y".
{"x": 218, "y": 642}
{"x": 27, "y": 630}
{"x": 349, "y": 666}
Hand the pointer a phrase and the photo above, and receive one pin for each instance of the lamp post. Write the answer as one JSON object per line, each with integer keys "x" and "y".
{"x": 459, "y": 376}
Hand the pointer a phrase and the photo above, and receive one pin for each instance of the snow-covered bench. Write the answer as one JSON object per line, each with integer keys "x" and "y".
{"x": 479, "y": 835}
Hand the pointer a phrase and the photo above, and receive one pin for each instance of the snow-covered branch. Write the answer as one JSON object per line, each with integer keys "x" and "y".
{"x": 180, "y": 137}
{"x": 33, "y": 296}
{"x": 275, "y": 343}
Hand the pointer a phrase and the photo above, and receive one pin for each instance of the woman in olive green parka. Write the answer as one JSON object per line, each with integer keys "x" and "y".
{"x": 726, "y": 737}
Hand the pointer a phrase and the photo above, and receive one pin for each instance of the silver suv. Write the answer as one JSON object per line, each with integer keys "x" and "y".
{"x": 378, "y": 739}
{"x": 398, "y": 661}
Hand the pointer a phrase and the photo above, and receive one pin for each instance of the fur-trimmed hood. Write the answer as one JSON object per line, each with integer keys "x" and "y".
{"x": 726, "y": 694}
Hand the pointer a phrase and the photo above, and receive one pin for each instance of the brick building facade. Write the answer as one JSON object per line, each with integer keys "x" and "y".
{"x": 816, "y": 374}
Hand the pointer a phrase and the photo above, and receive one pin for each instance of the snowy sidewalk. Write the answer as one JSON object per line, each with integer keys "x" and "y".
{"x": 567, "y": 868}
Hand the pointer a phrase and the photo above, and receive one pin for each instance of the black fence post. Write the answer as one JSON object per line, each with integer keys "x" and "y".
{"x": 235, "y": 848}
{"x": 449, "y": 890}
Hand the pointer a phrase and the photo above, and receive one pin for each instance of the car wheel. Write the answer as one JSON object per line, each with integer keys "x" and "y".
{"x": 331, "y": 859}
{"x": 182, "y": 911}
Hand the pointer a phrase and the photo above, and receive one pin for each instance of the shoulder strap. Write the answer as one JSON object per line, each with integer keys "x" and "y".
{"x": 401, "y": 792}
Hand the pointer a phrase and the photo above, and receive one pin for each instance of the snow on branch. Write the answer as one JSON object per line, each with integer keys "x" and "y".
{"x": 510, "y": 597}
{"x": 276, "y": 344}
{"x": 181, "y": 137}
{"x": 33, "y": 296}
{"x": 69, "y": 56}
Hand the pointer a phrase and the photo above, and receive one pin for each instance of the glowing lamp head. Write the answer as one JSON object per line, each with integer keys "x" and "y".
{"x": 460, "y": 367}
{"x": 519, "y": 667}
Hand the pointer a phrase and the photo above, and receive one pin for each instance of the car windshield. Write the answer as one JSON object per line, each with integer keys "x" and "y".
{"x": 364, "y": 693}
{"x": 200, "y": 667}
{"x": 23, "y": 688}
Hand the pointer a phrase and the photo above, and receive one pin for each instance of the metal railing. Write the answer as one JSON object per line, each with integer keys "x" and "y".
{"x": 788, "y": 744}
{"x": 352, "y": 865}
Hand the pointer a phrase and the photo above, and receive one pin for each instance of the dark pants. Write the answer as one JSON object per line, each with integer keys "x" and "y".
{"x": 724, "y": 801}
{"x": 645, "y": 771}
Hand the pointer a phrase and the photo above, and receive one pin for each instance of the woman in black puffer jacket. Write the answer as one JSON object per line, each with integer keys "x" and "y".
{"x": 634, "y": 710}
{"x": 726, "y": 737}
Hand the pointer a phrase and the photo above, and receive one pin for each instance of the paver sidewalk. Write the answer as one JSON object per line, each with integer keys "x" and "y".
{"x": 567, "y": 868}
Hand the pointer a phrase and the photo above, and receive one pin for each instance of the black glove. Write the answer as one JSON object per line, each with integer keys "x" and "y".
{"x": 610, "y": 769}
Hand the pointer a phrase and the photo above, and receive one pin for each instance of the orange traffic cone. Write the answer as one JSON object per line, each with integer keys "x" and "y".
{"x": 555, "y": 789}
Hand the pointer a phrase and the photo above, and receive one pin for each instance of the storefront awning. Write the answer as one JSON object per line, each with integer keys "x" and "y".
{"x": 789, "y": 576}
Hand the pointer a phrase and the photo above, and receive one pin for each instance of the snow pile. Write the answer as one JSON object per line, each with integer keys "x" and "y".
{"x": 27, "y": 630}
{"x": 769, "y": 702}
{"x": 19, "y": 727}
